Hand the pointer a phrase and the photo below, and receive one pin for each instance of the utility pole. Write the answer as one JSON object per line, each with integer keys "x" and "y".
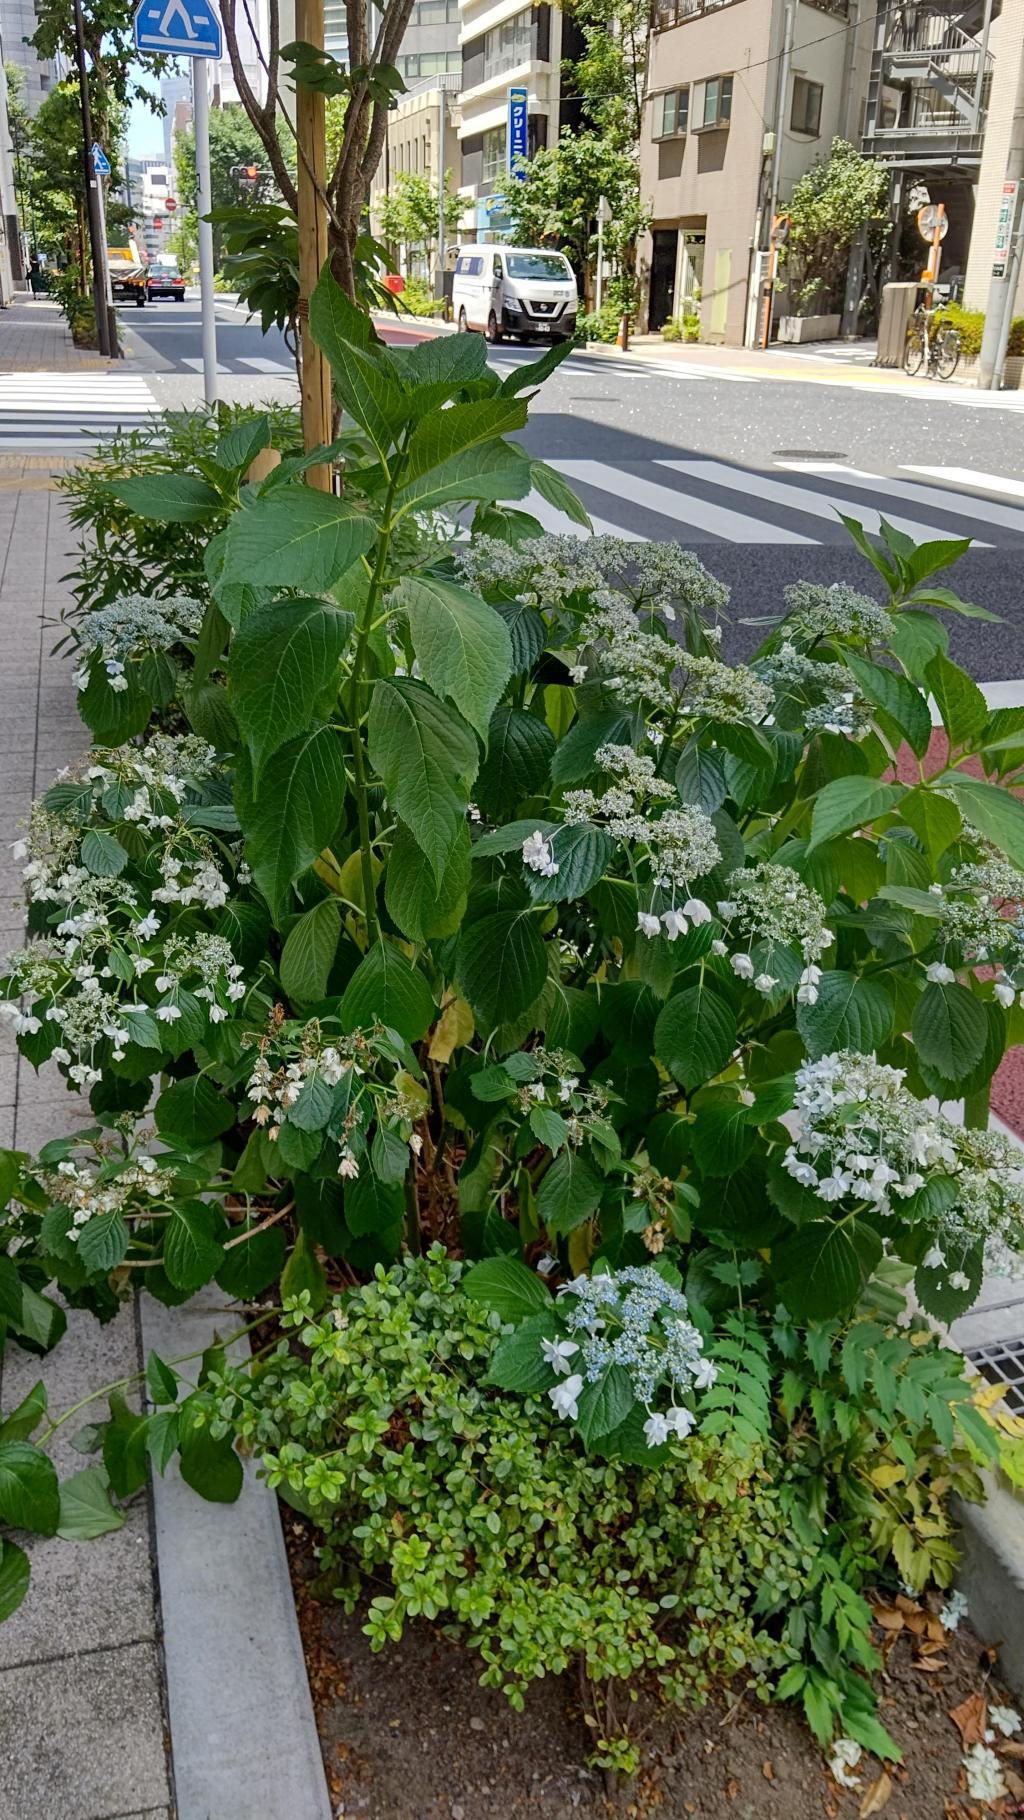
{"x": 781, "y": 96}
{"x": 204, "y": 203}
{"x": 317, "y": 398}
{"x": 92, "y": 197}
{"x": 1006, "y": 264}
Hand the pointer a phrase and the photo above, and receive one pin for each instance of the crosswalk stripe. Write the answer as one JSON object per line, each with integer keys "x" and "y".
{"x": 971, "y": 477}
{"x": 70, "y": 410}
{"x": 719, "y": 521}
{"x": 798, "y": 499}
{"x": 985, "y": 511}
{"x": 260, "y": 363}
{"x": 564, "y": 526}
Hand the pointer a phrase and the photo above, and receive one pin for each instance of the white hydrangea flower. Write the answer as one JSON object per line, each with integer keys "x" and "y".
{"x": 565, "y": 1397}
{"x": 537, "y": 855}
{"x": 845, "y": 1755}
{"x": 557, "y": 1354}
{"x": 985, "y": 1779}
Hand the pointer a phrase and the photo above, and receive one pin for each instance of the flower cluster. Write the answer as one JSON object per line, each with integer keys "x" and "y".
{"x": 637, "y": 1320}
{"x": 660, "y": 578}
{"x": 320, "y": 1081}
{"x": 645, "y": 667}
{"x": 130, "y": 626}
{"x": 836, "y": 611}
{"x": 823, "y": 691}
{"x": 87, "y": 1191}
{"x": 554, "y": 1082}
{"x": 859, "y": 1136}
{"x": 676, "y": 846}
{"x": 771, "y": 904}
{"x": 980, "y": 910}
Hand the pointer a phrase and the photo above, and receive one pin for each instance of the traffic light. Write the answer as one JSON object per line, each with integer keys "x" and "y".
{"x": 248, "y": 177}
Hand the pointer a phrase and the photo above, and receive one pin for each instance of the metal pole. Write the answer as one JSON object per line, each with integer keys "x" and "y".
{"x": 600, "y": 261}
{"x": 780, "y": 108}
{"x": 91, "y": 191}
{"x": 440, "y": 191}
{"x": 204, "y": 203}
{"x": 1003, "y": 285}
{"x": 1001, "y": 338}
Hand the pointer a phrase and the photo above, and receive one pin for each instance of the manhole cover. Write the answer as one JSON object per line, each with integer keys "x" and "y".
{"x": 1003, "y": 1363}
{"x": 811, "y": 454}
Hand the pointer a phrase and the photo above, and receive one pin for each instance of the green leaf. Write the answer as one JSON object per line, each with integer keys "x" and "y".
{"x": 569, "y": 1193}
{"x": 934, "y": 1290}
{"x": 553, "y": 487}
{"x": 508, "y": 1287}
{"x": 851, "y": 802}
{"x": 534, "y": 372}
{"x": 421, "y": 908}
{"x": 548, "y": 1127}
{"x": 240, "y": 445}
{"x": 387, "y": 989}
{"x": 950, "y": 1029}
{"x": 210, "y": 1466}
{"x": 11, "y": 1290}
{"x": 995, "y": 812}
{"x": 282, "y": 660}
{"x": 372, "y": 1206}
{"x": 581, "y": 853}
{"x": 192, "y": 1249}
{"x": 605, "y": 1404}
{"x": 14, "y": 1577}
{"x": 823, "y": 1266}
{"x": 103, "y": 1241}
{"x": 102, "y": 853}
{"x": 518, "y": 1362}
{"x": 445, "y": 435}
{"x": 436, "y": 369}
{"x": 512, "y": 835}
{"x": 576, "y": 757}
{"x": 192, "y": 1113}
{"x": 308, "y": 953}
{"x": 462, "y": 645}
{"x": 426, "y": 758}
{"x": 161, "y": 1381}
{"x": 499, "y": 470}
{"x": 295, "y": 537}
{"x": 169, "y": 498}
{"x": 700, "y": 779}
{"x": 500, "y": 964}
{"x": 695, "y": 1035}
{"x": 304, "y": 1275}
{"x": 851, "y": 1013}
{"x": 963, "y": 707}
{"x": 915, "y": 638}
{"x": 898, "y": 698}
{"x": 722, "y": 1137}
{"x": 933, "y": 818}
{"x": 527, "y": 631}
{"x": 29, "y": 1494}
{"x": 85, "y": 1508}
{"x": 113, "y": 715}
{"x": 26, "y": 1416}
{"x": 518, "y": 762}
{"x": 250, "y": 1267}
{"x": 124, "y": 1448}
{"x": 294, "y": 813}
{"x": 367, "y": 384}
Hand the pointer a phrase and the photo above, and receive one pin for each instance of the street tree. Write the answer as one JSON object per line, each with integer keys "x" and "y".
{"x": 50, "y": 179}
{"x": 116, "y": 68}
{"x": 234, "y": 143}
{"x": 830, "y": 205}
{"x": 408, "y": 216}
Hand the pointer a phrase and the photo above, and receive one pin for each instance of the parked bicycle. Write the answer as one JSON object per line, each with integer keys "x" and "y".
{"x": 930, "y": 345}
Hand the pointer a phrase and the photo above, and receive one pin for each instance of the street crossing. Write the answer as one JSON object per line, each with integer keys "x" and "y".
{"x": 68, "y": 411}
{"x": 698, "y": 500}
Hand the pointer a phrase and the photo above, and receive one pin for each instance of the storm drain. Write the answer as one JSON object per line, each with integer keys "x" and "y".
{"x": 809, "y": 454}
{"x": 1003, "y": 1363}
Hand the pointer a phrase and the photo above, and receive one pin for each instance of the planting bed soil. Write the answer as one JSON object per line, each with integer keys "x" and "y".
{"x": 409, "y": 1734}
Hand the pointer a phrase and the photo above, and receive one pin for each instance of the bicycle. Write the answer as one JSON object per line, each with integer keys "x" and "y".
{"x": 930, "y": 345}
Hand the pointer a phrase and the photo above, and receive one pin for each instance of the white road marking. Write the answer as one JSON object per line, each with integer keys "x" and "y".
{"x": 734, "y": 527}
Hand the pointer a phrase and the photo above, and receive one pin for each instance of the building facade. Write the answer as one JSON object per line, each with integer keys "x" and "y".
{"x": 506, "y": 44}
{"x": 1006, "y": 77}
{"x": 18, "y": 23}
{"x": 423, "y": 140}
{"x": 714, "y": 107}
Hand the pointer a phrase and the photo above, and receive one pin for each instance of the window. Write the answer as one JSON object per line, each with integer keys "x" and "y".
{"x": 805, "y": 116}
{"x": 495, "y": 154}
{"x": 435, "y": 12}
{"x": 509, "y": 44}
{"x": 671, "y": 111}
{"x": 538, "y": 265}
{"x": 429, "y": 63}
{"x": 468, "y": 267}
{"x": 717, "y": 110}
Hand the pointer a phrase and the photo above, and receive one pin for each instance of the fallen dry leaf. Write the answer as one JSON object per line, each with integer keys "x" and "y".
{"x": 876, "y": 1797}
{"x": 931, "y": 1647}
{"x": 929, "y": 1666}
{"x": 732, "y": 1789}
{"x": 917, "y": 1621}
{"x": 1007, "y": 1748}
{"x": 905, "y": 1604}
{"x": 768, "y": 1770}
{"x": 888, "y": 1618}
{"x": 971, "y": 1719}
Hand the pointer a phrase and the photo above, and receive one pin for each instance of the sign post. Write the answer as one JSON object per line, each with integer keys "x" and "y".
{"x": 190, "y": 28}
{"x": 101, "y": 166}
{"x": 518, "y": 133}
{"x": 604, "y": 214}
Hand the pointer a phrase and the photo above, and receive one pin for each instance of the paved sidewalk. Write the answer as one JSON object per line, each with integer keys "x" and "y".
{"x": 34, "y": 337}
{"x": 82, "y": 1732}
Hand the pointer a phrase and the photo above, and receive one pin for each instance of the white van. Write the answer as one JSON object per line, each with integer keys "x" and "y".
{"x": 515, "y": 290}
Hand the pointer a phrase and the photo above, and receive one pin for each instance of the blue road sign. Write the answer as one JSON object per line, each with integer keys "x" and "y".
{"x": 100, "y": 161}
{"x": 518, "y": 111}
{"x": 183, "y": 28}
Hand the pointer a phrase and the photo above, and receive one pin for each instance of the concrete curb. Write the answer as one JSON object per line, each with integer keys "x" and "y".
{"x": 991, "y": 1574}
{"x": 243, "y": 1736}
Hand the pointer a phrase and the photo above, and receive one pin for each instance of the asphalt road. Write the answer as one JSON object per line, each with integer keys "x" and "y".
{"x": 753, "y": 473}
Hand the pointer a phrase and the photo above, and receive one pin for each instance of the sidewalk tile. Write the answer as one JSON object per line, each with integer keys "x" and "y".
{"x": 72, "y": 1746}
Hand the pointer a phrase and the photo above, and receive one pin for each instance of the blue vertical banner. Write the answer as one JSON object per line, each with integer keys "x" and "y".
{"x": 518, "y": 111}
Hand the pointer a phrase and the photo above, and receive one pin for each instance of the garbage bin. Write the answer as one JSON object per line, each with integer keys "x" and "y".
{"x": 898, "y": 303}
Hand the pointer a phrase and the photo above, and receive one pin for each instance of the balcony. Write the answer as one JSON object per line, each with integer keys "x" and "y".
{"x": 929, "y": 89}
{"x": 668, "y": 13}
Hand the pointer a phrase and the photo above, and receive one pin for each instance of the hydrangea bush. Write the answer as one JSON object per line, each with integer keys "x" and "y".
{"x": 425, "y": 889}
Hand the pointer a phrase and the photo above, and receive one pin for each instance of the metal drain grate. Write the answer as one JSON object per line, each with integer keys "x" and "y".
{"x": 811, "y": 454}
{"x": 1003, "y": 1363}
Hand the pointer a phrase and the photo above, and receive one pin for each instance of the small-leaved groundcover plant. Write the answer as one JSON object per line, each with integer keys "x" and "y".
{"x": 435, "y": 893}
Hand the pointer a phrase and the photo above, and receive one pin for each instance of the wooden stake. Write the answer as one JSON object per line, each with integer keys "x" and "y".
{"x": 317, "y": 399}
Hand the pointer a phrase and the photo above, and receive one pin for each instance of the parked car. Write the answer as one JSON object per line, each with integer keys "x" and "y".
{"x": 515, "y": 290}
{"x": 128, "y": 282}
{"x": 165, "y": 281}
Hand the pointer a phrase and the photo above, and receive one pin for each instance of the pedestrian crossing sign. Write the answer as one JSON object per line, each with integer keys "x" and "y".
{"x": 100, "y": 161}
{"x": 181, "y": 28}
